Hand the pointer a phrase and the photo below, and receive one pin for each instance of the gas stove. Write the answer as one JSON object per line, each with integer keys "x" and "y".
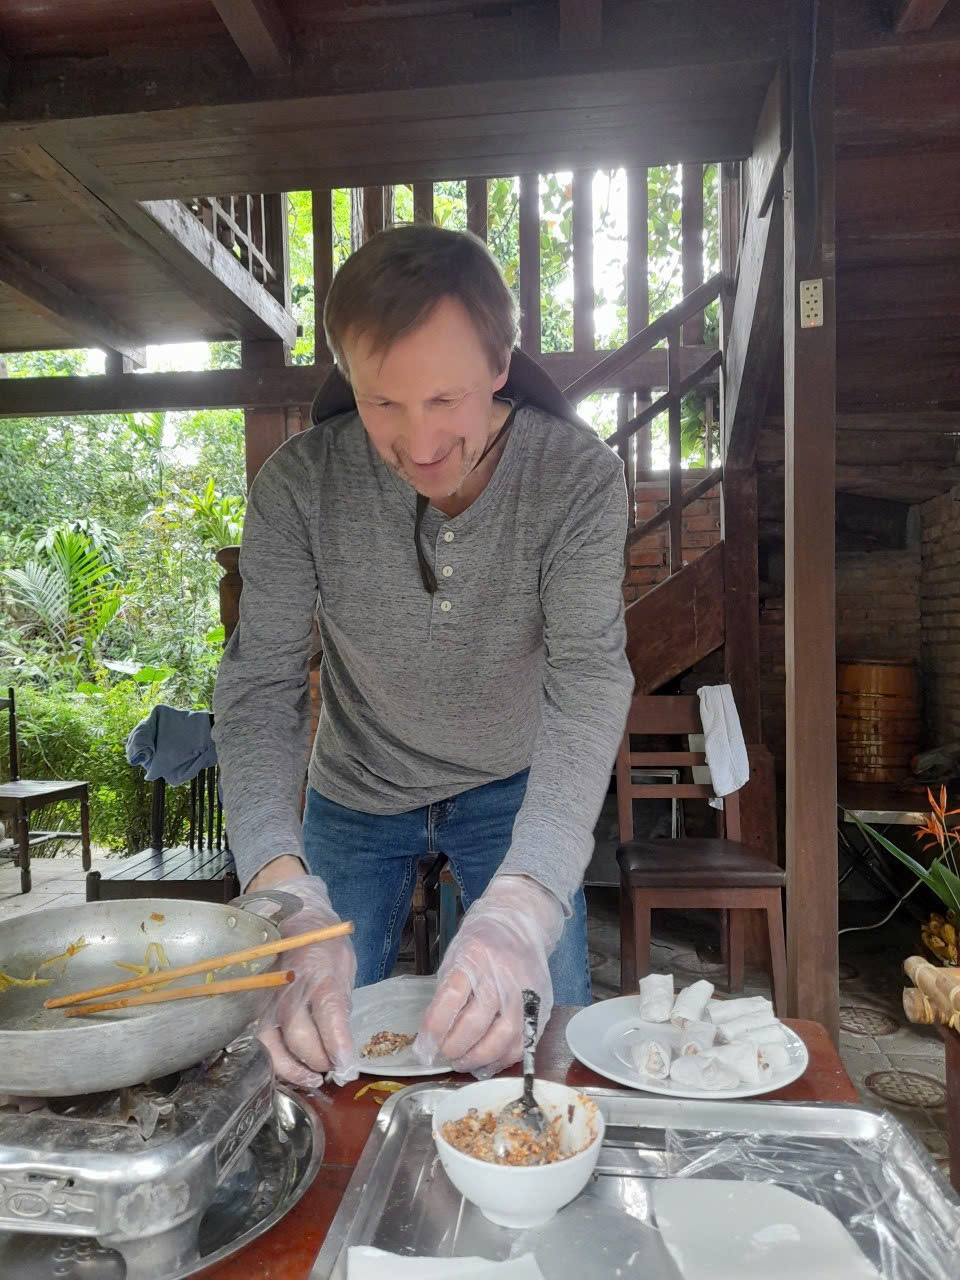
{"x": 153, "y": 1181}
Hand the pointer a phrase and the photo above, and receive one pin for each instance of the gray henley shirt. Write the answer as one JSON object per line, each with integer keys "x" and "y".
{"x": 517, "y": 661}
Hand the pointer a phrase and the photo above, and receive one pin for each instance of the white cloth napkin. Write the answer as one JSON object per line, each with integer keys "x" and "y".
{"x": 365, "y": 1263}
{"x": 723, "y": 741}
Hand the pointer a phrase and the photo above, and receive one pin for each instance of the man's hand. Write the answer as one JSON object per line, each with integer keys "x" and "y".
{"x": 307, "y": 1028}
{"x": 475, "y": 1020}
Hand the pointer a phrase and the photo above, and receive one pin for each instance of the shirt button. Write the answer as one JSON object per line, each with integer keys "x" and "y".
{"x": 447, "y": 570}
{"x": 446, "y": 606}
{"x": 448, "y": 535}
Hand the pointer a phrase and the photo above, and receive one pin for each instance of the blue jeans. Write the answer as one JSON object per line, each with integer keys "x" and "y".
{"x": 369, "y": 863}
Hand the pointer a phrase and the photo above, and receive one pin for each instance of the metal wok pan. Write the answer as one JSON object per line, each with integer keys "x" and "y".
{"x": 45, "y": 1054}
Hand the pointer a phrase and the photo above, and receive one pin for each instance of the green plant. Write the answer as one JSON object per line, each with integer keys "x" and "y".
{"x": 218, "y": 517}
{"x": 943, "y": 874}
{"x": 64, "y": 595}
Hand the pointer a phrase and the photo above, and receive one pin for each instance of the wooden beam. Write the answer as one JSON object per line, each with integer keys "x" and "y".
{"x": 265, "y": 388}
{"x": 810, "y": 444}
{"x": 168, "y": 234}
{"x": 477, "y": 196}
{"x": 260, "y": 32}
{"x": 76, "y": 315}
{"x": 372, "y": 211}
{"x": 741, "y": 649}
{"x": 754, "y": 336}
{"x": 691, "y": 240}
{"x": 581, "y": 24}
{"x": 770, "y": 144}
{"x": 915, "y": 15}
{"x": 529, "y": 252}
{"x": 583, "y": 293}
{"x": 423, "y": 202}
{"x": 322, "y": 205}
{"x": 677, "y": 623}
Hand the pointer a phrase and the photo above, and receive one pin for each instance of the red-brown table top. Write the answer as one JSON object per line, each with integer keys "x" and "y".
{"x": 287, "y": 1252}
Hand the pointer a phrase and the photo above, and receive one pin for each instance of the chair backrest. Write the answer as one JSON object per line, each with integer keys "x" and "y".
{"x": 664, "y": 716}
{"x": 9, "y": 704}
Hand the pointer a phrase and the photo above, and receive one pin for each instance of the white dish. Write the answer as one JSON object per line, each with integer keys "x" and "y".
{"x": 396, "y": 1004}
{"x": 522, "y": 1196}
{"x": 600, "y": 1035}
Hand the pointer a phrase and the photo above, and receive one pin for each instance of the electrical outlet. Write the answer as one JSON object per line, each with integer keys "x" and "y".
{"x": 811, "y": 304}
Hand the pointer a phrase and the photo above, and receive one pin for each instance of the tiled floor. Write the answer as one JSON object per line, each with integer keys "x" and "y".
{"x": 892, "y": 1063}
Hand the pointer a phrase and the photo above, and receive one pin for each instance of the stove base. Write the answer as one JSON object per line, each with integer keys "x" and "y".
{"x": 266, "y": 1182}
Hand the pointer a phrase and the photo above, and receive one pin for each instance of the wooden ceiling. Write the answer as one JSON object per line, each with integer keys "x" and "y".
{"x": 164, "y": 98}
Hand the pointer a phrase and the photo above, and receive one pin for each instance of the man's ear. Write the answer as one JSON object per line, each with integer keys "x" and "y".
{"x": 501, "y": 378}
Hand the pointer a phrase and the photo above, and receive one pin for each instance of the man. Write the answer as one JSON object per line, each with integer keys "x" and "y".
{"x": 462, "y": 552}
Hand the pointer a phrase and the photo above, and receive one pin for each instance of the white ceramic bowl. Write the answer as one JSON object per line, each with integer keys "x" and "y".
{"x": 527, "y": 1195}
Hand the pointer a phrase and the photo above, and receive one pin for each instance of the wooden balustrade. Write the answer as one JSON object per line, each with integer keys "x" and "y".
{"x": 252, "y": 227}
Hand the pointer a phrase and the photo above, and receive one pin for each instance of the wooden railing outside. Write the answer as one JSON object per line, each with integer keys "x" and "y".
{"x": 253, "y": 228}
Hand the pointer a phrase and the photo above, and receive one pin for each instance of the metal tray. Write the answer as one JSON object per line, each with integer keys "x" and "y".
{"x": 890, "y": 1196}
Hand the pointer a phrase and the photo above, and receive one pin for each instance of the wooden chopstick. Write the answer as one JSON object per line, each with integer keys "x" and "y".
{"x": 203, "y": 966}
{"x": 223, "y": 988}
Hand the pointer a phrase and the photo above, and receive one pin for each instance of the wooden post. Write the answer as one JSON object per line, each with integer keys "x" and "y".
{"x": 809, "y": 374}
{"x": 265, "y": 429}
{"x": 583, "y": 294}
{"x": 372, "y": 211}
{"x": 691, "y": 239}
{"x": 638, "y": 292}
{"x": 476, "y": 206}
{"x": 423, "y": 202}
{"x": 529, "y": 247}
{"x": 675, "y": 483}
{"x": 322, "y": 214}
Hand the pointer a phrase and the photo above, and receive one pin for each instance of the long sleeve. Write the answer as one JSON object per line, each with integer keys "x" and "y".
{"x": 585, "y": 697}
{"x": 261, "y": 702}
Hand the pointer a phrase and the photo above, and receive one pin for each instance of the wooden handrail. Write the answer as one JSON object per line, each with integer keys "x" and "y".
{"x": 645, "y": 340}
{"x": 703, "y": 486}
{"x": 663, "y": 402}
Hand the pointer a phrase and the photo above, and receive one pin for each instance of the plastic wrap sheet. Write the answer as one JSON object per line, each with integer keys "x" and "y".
{"x": 886, "y": 1191}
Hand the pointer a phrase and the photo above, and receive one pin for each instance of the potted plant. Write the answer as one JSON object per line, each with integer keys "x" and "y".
{"x": 942, "y": 876}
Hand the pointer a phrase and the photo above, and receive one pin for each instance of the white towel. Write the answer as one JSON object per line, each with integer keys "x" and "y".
{"x": 723, "y": 741}
{"x": 366, "y": 1263}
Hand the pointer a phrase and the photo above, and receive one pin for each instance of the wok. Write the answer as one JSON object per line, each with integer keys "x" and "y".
{"x": 45, "y": 1054}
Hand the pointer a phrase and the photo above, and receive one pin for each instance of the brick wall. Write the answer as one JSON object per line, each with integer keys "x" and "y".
{"x": 648, "y": 563}
{"x": 940, "y": 614}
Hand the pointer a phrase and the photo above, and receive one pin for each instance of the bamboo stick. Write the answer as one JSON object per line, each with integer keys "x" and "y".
{"x": 202, "y": 966}
{"x": 940, "y": 983}
{"x": 920, "y": 1010}
{"x": 227, "y": 987}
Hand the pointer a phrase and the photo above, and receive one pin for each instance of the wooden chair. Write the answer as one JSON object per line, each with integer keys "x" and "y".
{"x": 695, "y": 872}
{"x": 20, "y": 796}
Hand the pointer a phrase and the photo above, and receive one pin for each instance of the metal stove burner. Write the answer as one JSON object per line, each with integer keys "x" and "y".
{"x": 135, "y": 1169}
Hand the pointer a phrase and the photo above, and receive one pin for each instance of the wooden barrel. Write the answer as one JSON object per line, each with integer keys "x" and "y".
{"x": 878, "y": 720}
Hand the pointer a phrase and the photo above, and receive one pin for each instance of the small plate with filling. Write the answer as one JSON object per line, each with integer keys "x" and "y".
{"x": 385, "y": 1020}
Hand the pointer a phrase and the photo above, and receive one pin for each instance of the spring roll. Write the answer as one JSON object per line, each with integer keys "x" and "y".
{"x": 769, "y": 1033}
{"x": 696, "y": 1037}
{"x": 698, "y": 1071}
{"x": 656, "y": 997}
{"x": 722, "y": 1011}
{"x": 742, "y": 1058}
{"x": 773, "y": 1057}
{"x": 651, "y": 1058}
{"x": 748, "y": 1024}
{"x": 690, "y": 1004}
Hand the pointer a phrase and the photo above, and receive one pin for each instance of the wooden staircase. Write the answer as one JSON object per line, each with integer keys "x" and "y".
{"x": 677, "y": 623}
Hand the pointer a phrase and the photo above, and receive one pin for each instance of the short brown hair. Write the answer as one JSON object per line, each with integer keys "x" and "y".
{"x": 391, "y": 284}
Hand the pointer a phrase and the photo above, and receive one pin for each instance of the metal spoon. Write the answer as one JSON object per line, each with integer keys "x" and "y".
{"x": 524, "y": 1117}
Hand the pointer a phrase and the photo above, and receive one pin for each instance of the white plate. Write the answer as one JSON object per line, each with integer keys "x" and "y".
{"x": 396, "y": 1004}
{"x": 598, "y": 1037}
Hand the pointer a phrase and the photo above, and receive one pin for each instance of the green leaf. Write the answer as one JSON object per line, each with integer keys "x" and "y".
{"x": 85, "y": 686}
{"x": 948, "y": 886}
{"x": 917, "y": 868}
{"x": 152, "y": 675}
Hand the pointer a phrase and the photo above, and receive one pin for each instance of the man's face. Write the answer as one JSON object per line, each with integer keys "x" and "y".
{"x": 426, "y": 402}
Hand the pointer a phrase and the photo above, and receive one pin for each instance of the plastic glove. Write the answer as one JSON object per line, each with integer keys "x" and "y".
{"x": 307, "y": 1028}
{"x": 475, "y": 1020}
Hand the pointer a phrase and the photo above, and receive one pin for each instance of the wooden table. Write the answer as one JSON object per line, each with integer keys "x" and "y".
{"x": 952, "y": 1040}
{"x": 289, "y": 1250}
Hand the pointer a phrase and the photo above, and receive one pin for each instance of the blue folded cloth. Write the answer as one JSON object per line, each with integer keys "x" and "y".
{"x": 172, "y": 744}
